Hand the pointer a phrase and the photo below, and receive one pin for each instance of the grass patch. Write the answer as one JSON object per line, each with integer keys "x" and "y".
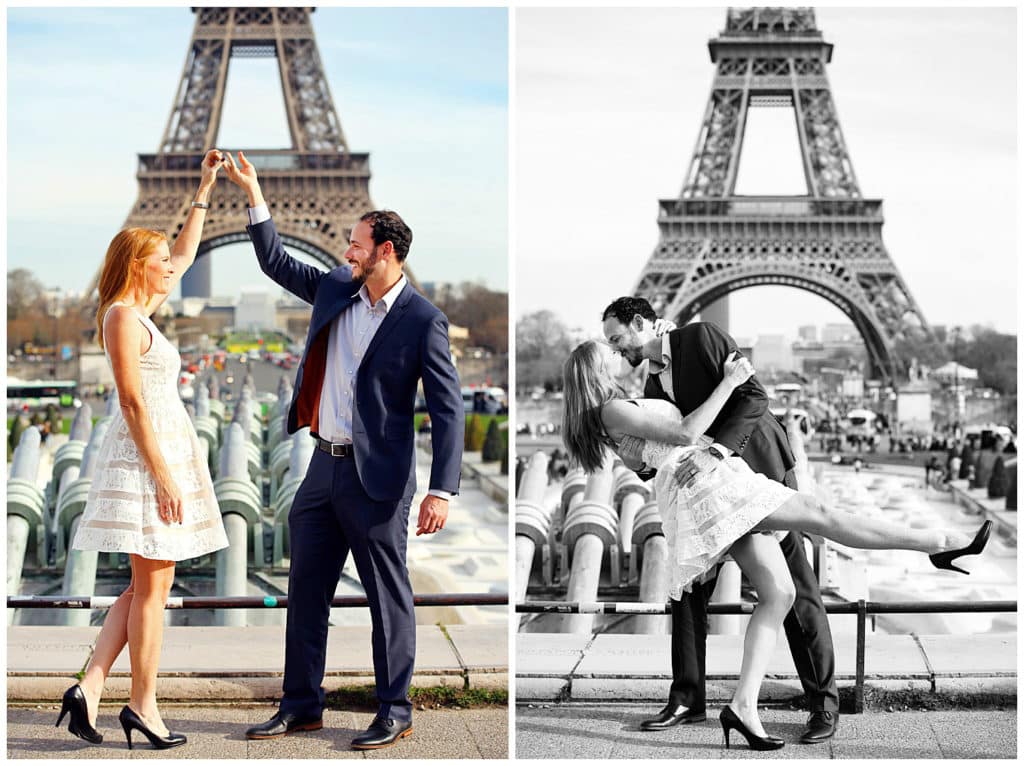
{"x": 916, "y": 700}
{"x": 434, "y": 697}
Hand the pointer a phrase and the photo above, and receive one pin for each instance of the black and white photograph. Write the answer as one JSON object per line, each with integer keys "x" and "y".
{"x": 766, "y": 388}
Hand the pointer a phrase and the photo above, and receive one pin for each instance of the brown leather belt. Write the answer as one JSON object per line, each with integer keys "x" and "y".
{"x": 334, "y": 450}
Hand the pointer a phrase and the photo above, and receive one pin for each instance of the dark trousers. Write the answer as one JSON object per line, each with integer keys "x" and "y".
{"x": 331, "y": 516}
{"x": 806, "y": 626}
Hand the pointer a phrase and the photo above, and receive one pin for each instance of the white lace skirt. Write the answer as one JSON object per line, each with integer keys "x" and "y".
{"x": 703, "y": 521}
{"x": 121, "y": 511}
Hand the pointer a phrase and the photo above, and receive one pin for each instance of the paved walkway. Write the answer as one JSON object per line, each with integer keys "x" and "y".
{"x": 219, "y": 732}
{"x": 608, "y": 731}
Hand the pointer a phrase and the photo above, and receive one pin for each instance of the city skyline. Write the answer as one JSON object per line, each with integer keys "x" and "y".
{"x": 606, "y": 123}
{"x": 429, "y": 105}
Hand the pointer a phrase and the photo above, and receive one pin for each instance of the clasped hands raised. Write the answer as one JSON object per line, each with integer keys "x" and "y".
{"x": 242, "y": 174}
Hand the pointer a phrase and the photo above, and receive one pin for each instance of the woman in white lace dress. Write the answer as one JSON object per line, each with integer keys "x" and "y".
{"x": 717, "y": 512}
{"x": 151, "y": 496}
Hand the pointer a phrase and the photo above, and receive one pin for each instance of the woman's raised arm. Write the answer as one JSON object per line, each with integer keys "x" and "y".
{"x": 186, "y": 244}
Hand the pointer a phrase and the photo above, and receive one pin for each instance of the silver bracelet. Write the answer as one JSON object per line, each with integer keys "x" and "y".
{"x": 201, "y": 205}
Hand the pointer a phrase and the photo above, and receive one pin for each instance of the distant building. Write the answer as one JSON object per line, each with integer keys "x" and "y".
{"x": 219, "y": 314}
{"x": 809, "y": 357}
{"x": 836, "y": 332}
{"x": 255, "y": 309}
{"x": 772, "y": 353}
{"x": 808, "y": 332}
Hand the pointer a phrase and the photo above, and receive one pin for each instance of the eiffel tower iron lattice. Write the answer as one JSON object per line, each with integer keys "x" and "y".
{"x": 316, "y": 188}
{"x": 828, "y": 242}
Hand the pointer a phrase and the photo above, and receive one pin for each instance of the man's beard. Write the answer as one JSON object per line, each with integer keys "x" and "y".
{"x": 365, "y": 268}
{"x": 633, "y": 355}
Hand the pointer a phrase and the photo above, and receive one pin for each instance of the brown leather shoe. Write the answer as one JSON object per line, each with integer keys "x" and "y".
{"x": 673, "y": 715}
{"x": 821, "y": 727}
{"x": 383, "y": 732}
{"x": 281, "y": 724}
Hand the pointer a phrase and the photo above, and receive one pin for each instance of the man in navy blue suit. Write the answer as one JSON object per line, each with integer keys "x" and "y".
{"x": 371, "y": 339}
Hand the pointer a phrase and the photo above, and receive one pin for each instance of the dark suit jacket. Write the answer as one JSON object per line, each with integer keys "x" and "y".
{"x": 411, "y": 343}
{"x": 744, "y": 425}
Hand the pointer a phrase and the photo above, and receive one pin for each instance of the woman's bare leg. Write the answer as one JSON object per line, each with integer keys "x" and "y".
{"x": 761, "y": 560}
{"x": 153, "y": 580}
{"x": 805, "y": 513}
{"x": 111, "y": 640}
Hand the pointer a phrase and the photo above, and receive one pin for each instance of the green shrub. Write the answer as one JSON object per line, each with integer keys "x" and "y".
{"x": 494, "y": 445}
{"x": 966, "y": 460}
{"x": 997, "y": 481}
{"x": 476, "y": 433}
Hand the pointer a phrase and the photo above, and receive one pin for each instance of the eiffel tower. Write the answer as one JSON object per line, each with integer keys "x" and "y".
{"x": 828, "y": 242}
{"x": 316, "y": 188}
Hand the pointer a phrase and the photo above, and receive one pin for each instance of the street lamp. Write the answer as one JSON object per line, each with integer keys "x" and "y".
{"x": 955, "y": 332}
{"x": 56, "y": 343}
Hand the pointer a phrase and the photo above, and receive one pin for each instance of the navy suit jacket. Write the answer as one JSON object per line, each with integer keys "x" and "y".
{"x": 745, "y": 425}
{"x": 411, "y": 343}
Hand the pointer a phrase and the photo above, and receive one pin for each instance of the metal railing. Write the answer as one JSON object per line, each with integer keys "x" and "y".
{"x": 860, "y": 608}
{"x": 248, "y": 602}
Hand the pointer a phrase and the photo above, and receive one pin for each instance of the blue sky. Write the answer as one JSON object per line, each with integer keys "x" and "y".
{"x": 424, "y": 91}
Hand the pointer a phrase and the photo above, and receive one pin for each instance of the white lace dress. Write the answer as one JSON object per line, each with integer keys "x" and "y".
{"x": 121, "y": 511}
{"x": 702, "y": 521}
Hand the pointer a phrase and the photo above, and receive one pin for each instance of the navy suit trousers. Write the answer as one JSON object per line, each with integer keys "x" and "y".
{"x": 331, "y": 516}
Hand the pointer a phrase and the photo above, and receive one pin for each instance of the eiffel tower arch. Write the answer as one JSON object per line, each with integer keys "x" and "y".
{"x": 829, "y": 242}
{"x": 316, "y": 188}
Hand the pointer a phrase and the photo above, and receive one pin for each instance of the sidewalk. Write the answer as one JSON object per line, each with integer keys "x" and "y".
{"x": 219, "y": 732}
{"x": 219, "y": 664}
{"x": 604, "y": 731}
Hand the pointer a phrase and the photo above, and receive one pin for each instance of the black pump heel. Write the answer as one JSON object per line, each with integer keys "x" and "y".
{"x": 74, "y": 703}
{"x": 730, "y": 721}
{"x": 131, "y": 720}
{"x": 945, "y": 559}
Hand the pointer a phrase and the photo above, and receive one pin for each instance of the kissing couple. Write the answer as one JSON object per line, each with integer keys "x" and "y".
{"x": 723, "y": 476}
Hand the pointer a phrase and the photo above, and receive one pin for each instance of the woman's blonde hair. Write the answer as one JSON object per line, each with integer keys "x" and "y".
{"x": 587, "y": 387}
{"x": 122, "y": 268}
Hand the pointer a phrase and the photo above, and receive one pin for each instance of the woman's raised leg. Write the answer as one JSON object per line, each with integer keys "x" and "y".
{"x": 761, "y": 560}
{"x": 153, "y": 580}
{"x": 805, "y": 513}
{"x": 111, "y": 640}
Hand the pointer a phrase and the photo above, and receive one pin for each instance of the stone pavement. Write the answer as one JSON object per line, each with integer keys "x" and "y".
{"x": 223, "y": 663}
{"x": 604, "y": 731}
{"x": 218, "y": 731}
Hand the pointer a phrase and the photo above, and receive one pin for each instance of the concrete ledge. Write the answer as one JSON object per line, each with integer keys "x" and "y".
{"x": 247, "y": 664}
{"x": 492, "y": 482}
{"x": 561, "y": 667}
{"x": 978, "y": 502}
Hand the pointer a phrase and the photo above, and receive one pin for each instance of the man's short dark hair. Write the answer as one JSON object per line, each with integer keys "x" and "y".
{"x": 388, "y": 226}
{"x": 627, "y": 307}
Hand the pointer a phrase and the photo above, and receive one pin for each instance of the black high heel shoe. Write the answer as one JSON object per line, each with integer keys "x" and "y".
{"x": 130, "y": 720}
{"x": 945, "y": 559}
{"x": 732, "y": 721}
{"x": 74, "y": 703}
